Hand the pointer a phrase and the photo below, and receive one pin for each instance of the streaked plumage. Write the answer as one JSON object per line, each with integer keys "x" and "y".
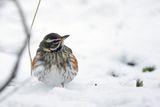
{"x": 54, "y": 63}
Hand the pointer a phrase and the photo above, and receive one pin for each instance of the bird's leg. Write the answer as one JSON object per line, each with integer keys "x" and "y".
{"x": 62, "y": 84}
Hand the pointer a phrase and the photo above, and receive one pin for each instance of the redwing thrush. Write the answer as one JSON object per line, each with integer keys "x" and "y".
{"x": 54, "y": 63}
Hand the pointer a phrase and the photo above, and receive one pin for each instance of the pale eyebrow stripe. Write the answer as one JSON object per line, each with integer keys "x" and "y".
{"x": 51, "y": 40}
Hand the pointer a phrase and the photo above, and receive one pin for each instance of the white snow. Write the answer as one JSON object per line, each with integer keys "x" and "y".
{"x": 104, "y": 35}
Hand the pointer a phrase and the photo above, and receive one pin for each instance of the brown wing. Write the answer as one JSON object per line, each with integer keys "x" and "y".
{"x": 36, "y": 58}
{"x": 73, "y": 59}
{"x": 74, "y": 62}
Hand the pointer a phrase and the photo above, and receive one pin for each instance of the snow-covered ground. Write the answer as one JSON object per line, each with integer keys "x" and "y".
{"x": 105, "y": 35}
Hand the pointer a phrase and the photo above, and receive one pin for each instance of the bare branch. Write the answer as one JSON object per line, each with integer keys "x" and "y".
{"x": 19, "y": 54}
{"x": 14, "y": 71}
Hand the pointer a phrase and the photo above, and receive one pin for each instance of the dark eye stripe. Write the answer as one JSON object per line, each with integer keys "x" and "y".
{"x": 57, "y": 42}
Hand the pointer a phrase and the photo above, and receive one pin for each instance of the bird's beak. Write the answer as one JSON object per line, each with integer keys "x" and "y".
{"x": 64, "y": 37}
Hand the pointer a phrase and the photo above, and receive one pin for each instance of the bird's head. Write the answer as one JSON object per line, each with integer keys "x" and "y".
{"x": 52, "y": 42}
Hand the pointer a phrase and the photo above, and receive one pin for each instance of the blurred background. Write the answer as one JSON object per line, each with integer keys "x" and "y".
{"x": 113, "y": 40}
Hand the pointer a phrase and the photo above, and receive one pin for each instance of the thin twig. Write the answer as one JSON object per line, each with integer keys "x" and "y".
{"x": 35, "y": 15}
{"x": 29, "y": 51}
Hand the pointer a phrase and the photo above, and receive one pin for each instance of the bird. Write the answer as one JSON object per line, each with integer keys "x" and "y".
{"x": 54, "y": 63}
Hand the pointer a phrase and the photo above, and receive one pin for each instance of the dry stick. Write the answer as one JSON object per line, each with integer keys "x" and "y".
{"x": 29, "y": 51}
{"x": 14, "y": 72}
